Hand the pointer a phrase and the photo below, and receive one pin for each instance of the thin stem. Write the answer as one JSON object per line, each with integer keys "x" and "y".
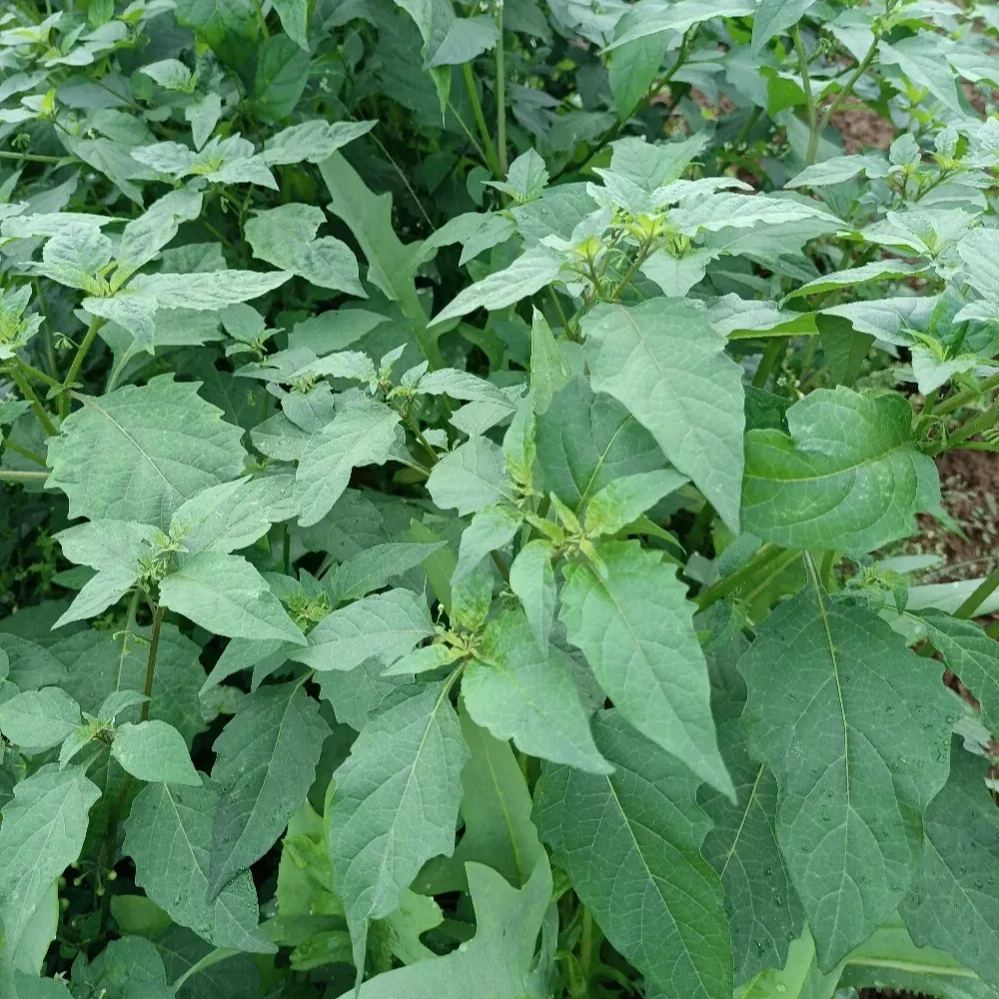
{"x": 500, "y": 88}
{"x": 829, "y": 561}
{"x": 841, "y": 97}
{"x": 586, "y": 943}
{"x": 806, "y": 85}
{"x": 9, "y": 475}
{"x": 38, "y": 374}
{"x": 629, "y": 274}
{"x": 715, "y": 592}
{"x": 982, "y": 592}
{"x": 772, "y": 356}
{"x": 978, "y": 423}
{"x": 492, "y": 160}
{"x": 968, "y": 395}
{"x": 39, "y": 410}
{"x": 24, "y": 452}
{"x": 74, "y": 369}
{"x": 36, "y": 157}
{"x": 154, "y": 644}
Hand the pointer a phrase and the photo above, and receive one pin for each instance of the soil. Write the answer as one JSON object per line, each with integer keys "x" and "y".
{"x": 969, "y": 486}
{"x": 863, "y": 129}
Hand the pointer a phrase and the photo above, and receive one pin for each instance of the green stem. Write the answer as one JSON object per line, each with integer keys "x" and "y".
{"x": 978, "y": 423}
{"x": 492, "y": 161}
{"x": 38, "y": 374}
{"x": 982, "y": 592}
{"x": 806, "y": 85}
{"x": 586, "y": 944}
{"x": 500, "y": 88}
{"x": 829, "y": 561}
{"x": 74, "y": 369}
{"x": 968, "y": 395}
{"x": 154, "y": 645}
{"x": 772, "y": 356}
{"x": 767, "y": 554}
{"x": 24, "y": 452}
{"x": 39, "y": 410}
{"x": 9, "y": 475}
{"x": 841, "y": 97}
{"x": 644, "y": 252}
{"x": 36, "y": 157}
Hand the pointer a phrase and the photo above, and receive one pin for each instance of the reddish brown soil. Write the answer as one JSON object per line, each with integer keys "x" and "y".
{"x": 863, "y": 129}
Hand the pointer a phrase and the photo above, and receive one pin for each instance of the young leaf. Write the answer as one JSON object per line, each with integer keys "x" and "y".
{"x": 42, "y": 833}
{"x": 626, "y": 499}
{"x": 522, "y": 691}
{"x": 226, "y": 595}
{"x": 633, "y": 623}
{"x": 470, "y": 478}
{"x": 395, "y": 804}
{"x": 848, "y": 475}
{"x": 532, "y": 579}
{"x": 844, "y": 715}
{"x": 39, "y": 719}
{"x": 629, "y": 842}
{"x": 666, "y": 365}
{"x": 154, "y": 751}
{"x": 265, "y": 764}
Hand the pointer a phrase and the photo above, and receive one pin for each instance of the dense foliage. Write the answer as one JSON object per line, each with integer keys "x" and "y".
{"x": 457, "y": 461}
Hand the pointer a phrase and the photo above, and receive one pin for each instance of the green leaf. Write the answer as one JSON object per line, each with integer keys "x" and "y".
{"x": 395, "y": 804}
{"x": 532, "y": 579}
{"x": 154, "y": 751}
{"x": 526, "y": 276}
{"x": 466, "y": 38}
{"x": 498, "y": 961}
{"x": 525, "y": 692}
{"x": 972, "y": 656}
{"x": 168, "y": 834}
{"x": 126, "y": 969}
{"x": 847, "y": 476}
{"x": 652, "y": 17}
{"x": 626, "y": 499}
{"x": 371, "y": 568}
{"x": 282, "y": 71}
{"x": 159, "y": 444}
{"x": 286, "y": 238}
{"x": 42, "y": 833}
{"x": 665, "y": 363}
{"x": 526, "y": 178}
{"x": 954, "y": 901}
{"x": 265, "y": 764}
{"x": 226, "y": 595}
{"x": 382, "y": 626}
{"x": 470, "y": 478}
{"x": 39, "y": 719}
{"x": 549, "y": 372}
{"x": 364, "y": 432}
{"x": 763, "y": 908}
{"x": 143, "y": 238}
{"x": 586, "y": 442}
{"x": 629, "y": 842}
{"x": 856, "y": 729}
{"x": 775, "y": 16}
{"x": 294, "y": 16}
{"x": 312, "y": 141}
{"x": 634, "y": 625}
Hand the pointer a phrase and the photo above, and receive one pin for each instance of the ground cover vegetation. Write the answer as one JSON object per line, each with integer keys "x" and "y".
{"x": 457, "y": 465}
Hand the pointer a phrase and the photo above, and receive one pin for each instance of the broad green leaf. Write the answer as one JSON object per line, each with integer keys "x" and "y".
{"x": 634, "y": 625}
{"x": 470, "y": 478}
{"x": 226, "y": 595}
{"x": 280, "y": 76}
{"x": 395, "y": 804}
{"x": 383, "y": 626}
{"x": 39, "y": 719}
{"x": 763, "y": 909}
{"x": 433, "y": 19}
{"x": 142, "y": 239}
{"x": 526, "y": 178}
{"x": 42, "y": 833}
{"x": 265, "y": 763}
{"x": 209, "y": 290}
{"x": 527, "y": 275}
{"x": 496, "y": 813}
{"x": 549, "y": 372}
{"x": 364, "y": 432}
{"x": 666, "y": 365}
{"x": 587, "y": 441}
{"x": 154, "y": 751}
{"x": 847, "y": 476}
{"x": 498, "y": 961}
{"x": 462, "y": 385}
{"x": 231, "y": 515}
{"x": 294, "y": 16}
{"x": 972, "y": 655}
{"x": 856, "y": 729}
{"x": 312, "y": 141}
{"x": 490, "y": 529}
{"x": 168, "y": 834}
{"x": 774, "y": 16}
{"x": 629, "y": 842}
{"x": 126, "y": 969}
{"x": 532, "y": 579}
{"x": 159, "y": 444}
{"x": 286, "y": 238}
{"x": 373, "y": 567}
{"x": 466, "y": 38}
{"x": 652, "y": 17}
{"x": 877, "y": 270}
{"x": 626, "y": 499}
{"x": 522, "y": 691}
{"x": 954, "y": 901}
